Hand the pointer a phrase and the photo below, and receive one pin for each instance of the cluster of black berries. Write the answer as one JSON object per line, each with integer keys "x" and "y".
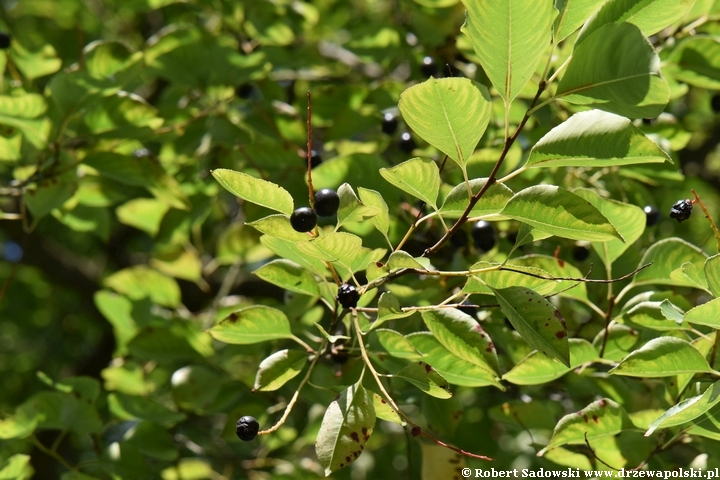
{"x": 327, "y": 203}
{"x": 390, "y": 123}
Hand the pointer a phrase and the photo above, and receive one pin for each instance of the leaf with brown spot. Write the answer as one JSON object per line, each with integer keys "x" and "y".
{"x": 348, "y": 423}
{"x": 426, "y": 379}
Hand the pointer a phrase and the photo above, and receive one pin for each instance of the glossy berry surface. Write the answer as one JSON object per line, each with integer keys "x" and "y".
{"x": 247, "y": 428}
{"x": 303, "y": 219}
{"x": 327, "y": 202}
{"x": 4, "y": 40}
{"x": 348, "y": 296}
{"x": 652, "y": 215}
{"x": 406, "y": 143}
{"x": 580, "y": 253}
{"x": 715, "y": 103}
{"x": 681, "y": 210}
{"x": 389, "y": 123}
{"x": 483, "y": 234}
{"x": 428, "y": 67}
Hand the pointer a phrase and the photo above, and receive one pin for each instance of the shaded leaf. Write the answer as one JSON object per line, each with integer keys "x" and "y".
{"x": 492, "y": 201}
{"x": 141, "y": 282}
{"x": 537, "y": 368}
{"x": 396, "y": 344}
{"x": 696, "y": 61}
{"x": 373, "y": 199}
{"x": 426, "y": 379}
{"x": 712, "y": 274}
{"x": 633, "y": 87}
{"x": 437, "y": 461}
{"x": 278, "y": 225}
{"x": 351, "y": 210}
{"x": 536, "y": 320}
{"x": 666, "y": 256}
{"x": 384, "y": 411}
{"x": 333, "y": 247}
{"x": 290, "y": 276}
{"x": 687, "y": 410}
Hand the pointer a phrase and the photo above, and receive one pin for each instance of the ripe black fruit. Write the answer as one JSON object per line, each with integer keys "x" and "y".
{"x": 247, "y": 428}
{"x": 652, "y": 215}
{"x": 315, "y": 159}
{"x": 244, "y": 91}
{"x": 327, "y": 202}
{"x": 406, "y": 142}
{"x": 580, "y": 253}
{"x": 681, "y": 210}
{"x": 483, "y": 234}
{"x": 389, "y": 123}
{"x": 348, "y": 296}
{"x": 428, "y": 67}
{"x": 303, "y": 219}
{"x": 5, "y": 39}
{"x": 715, "y": 103}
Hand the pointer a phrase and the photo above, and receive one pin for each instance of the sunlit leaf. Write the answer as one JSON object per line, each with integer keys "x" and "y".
{"x": 426, "y": 379}
{"x": 255, "y": 190}
{"x": 419, "y": 177}
{"x": 662, "y": 357}
{"x": 687, "y": 410}
{"x": 573, "y": 14}
{"x": 667, "y": 255}
{"x": 705, "y": 314}
{"x": 278, "y": 369}
{"x": 537, "y": 368}
{"x": 492, "y": 201}
{"x": 254, "y": 324}
{"x": 396, "y": 344}
{"x": 290, "y": 276}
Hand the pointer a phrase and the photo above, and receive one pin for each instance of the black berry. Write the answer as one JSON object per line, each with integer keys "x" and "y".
{"x": 428, "y": 67}
{"x": 389, "y": 123}
{"x": 327, "y": 202}
{"x": 315, "y": 159}
{"x": 715, "y": 103}
{"x": 303, "y": 219}
{"x": 483, "y": 234}
{"x": 652, "y": 215}
{"x": 244, "y": 91}
{"x": 580, "y": 253}
{"x": 681, "y": 210}
{"x": 649, "y": 121}
{"x": 4, "y": 40}
{"x": 348, "y": 296}
{"x": 406, "y": 143}
{"x": 247, "y": 428}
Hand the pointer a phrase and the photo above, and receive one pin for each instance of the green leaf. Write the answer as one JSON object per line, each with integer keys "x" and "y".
{"x": 629, "y": 221}
{"x": 712, "y": 274}
{"x": 17, "y": 467}
{"x": 650, "y": 16}
{"x": 510, "y": 38}
{"x": 50, "y": 194}
{"x": 142, "y": 282}
{"x": 687, "y": 410}
{"x": 537, "y": 368}
{"x": 666, "y": 256}
{"x": 555, "y": 268}
{"x": 278, "y": 225}
{"x": 279, "y": 368}
{"x": 351, "y": 210}
{"x": 290, "y": 276}
{"x": 118, "y": 312}
{"x": 419, "y": 177}
{"x": 401, "y": 259}
{"x": 381, "y": 220}
{"x": 143, "y": 213}
{"x": 560, "y": 212}
{"x": 255, "y": 190}
{"x": 104, "y": 60}
{"x": 289, "y": 250}
{"x": 633, "y": 87}
{"x": 153, "y": 440}
{"x": 662, "y": 357}
{"x": 492, "y": 201}
{"x": 463, "y": 336}
{"x": 389, "y": 309}
{"x": 671, "y": 312}
{"x": 696, "y": 61}
{"x": 384, "y": 411}
{"x": 346, "y": 428}
{"x": 705, "y": 314}
{"x": 650, "y": 315}
{"x": 573, "y": 14}
{"x": 537, "y": 321}
{"x": 396, "y": 344}
{"x": 595, "y": 139}
{"x": 453, "y": 368}
{"x": 28, "y": 105}
{"x": 254, "y": 324}
{"x": 132, "y": 407}
{"x": 333, "y": 247}
{"x": 437, "y": 461}
{"x": 600, "y": 419}
{"x": 451, "y": 114}
{"x": 426, "y": 379}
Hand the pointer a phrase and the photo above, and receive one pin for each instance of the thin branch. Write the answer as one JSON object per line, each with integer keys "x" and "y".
{"x": 598, "y": 458}
{"x": 586, "y": 280}
{"x": 454, "y": 449}
{"x": 311, "y": 191}
{"x": 709, "y": 217}
{"x": 51, "y": 453}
